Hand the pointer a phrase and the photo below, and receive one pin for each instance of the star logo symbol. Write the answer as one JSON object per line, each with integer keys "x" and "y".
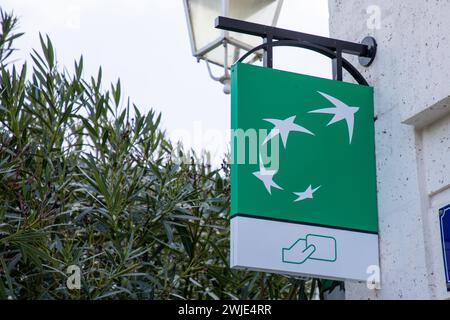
{"x": 266, "y": 176}
{"x": 308, "y": 194}
{"x": 283, "y": 128}
{"x": 340, "y": 112}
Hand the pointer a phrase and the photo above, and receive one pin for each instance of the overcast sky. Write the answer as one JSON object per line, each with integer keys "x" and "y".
{"x": 146, "y": 44}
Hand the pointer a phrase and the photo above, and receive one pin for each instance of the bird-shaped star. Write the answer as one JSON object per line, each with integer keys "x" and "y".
{"x": 266, "y": 176}
{"x": 283, "y": 128}
{"x": 308, "y": 194}
{"x": 340, "y": 112}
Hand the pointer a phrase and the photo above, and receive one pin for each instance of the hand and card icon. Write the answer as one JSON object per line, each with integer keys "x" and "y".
{"x": 313, "y": 247}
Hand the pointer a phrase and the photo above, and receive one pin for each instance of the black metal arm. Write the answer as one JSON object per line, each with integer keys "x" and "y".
{"x": 333, "y": 48}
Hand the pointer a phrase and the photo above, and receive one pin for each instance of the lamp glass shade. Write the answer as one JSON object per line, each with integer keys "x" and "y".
{"x": 201, "y": 16}
{"x": 207, "y": 41}
{"x": 256, "y": 11}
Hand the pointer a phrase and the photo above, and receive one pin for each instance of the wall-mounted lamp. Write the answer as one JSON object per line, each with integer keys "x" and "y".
{"x": 221, "y": 47}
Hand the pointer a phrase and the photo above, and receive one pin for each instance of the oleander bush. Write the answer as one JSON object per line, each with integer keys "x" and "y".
{"x": 87, "y": 180}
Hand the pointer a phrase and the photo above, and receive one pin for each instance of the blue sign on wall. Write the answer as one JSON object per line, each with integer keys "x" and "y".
{"x": 444, "y": 218}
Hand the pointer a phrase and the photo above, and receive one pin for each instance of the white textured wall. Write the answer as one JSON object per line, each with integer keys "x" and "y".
{"x": 411, "y": 77}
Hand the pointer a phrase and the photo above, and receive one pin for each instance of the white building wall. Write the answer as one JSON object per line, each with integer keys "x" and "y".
{"x": 411, "y": 77}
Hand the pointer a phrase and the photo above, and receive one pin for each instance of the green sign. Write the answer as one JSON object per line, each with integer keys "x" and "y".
{"x": 303, "y": 155}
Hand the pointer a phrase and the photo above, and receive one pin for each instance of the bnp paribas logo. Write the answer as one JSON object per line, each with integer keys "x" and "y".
{"x": 301, "y": 144}
{"x": 282, "y": 128}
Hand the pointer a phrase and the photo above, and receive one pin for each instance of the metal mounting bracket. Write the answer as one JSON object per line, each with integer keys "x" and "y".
{"x": 332, "y": 48}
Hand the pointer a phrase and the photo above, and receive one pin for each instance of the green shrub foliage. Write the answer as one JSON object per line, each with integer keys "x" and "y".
{"x": 88, "y": 180}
